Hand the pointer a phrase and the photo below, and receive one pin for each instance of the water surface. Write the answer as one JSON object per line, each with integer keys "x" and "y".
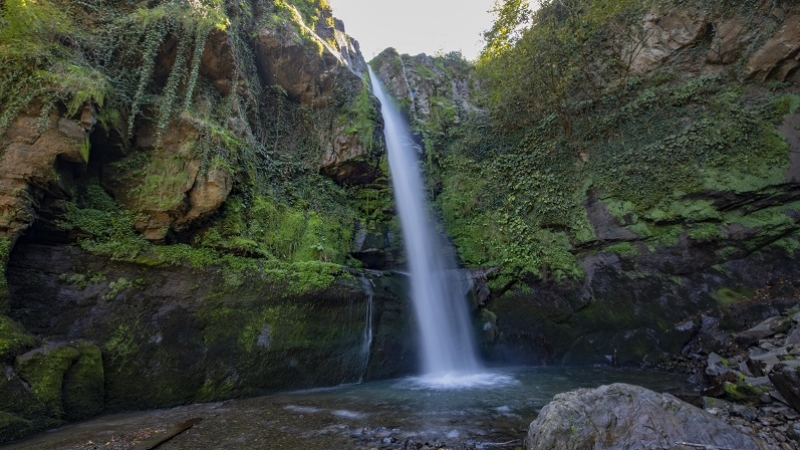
{"x": 390, "y": 414}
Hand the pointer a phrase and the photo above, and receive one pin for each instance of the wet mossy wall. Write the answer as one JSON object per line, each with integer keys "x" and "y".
{"x": 175, "y": 335}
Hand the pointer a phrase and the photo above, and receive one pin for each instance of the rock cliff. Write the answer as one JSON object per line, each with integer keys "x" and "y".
{"x": 185, "y": 186}
{"x": 649, "y": 205}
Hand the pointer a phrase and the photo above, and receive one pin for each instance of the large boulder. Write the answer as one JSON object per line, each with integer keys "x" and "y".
{"x": 621, "y": 416}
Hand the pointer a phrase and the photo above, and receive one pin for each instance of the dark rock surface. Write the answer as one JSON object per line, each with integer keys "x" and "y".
{"x": 143, "y": 336}
{"x": 786, "y": 378}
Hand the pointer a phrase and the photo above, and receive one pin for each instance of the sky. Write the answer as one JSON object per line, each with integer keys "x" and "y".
{"x": 415, "y": 26}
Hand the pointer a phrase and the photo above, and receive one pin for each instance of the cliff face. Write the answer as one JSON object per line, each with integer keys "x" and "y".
{"x": 184, "y": 187}
{"x": 640, "y": 204}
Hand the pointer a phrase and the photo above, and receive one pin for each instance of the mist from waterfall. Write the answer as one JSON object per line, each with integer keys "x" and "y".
{"x": 437, "y": 288}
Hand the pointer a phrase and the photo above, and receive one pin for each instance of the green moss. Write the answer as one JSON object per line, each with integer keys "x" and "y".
{"x": 744, "y": 392}
{"x": 5, "y": 250}
{"x": 623, "y": 211}
{"x": 623, "y": 249}
{"x": 706, "y": 232}
{"x": 116, "y": 287}
{"x": 13, "y": 426}
{"x": 121, "y": 346}
{"x": 664, "y": 236}
{"x": 727, "y": 296}
{"x": 790, "y": 245}
{"x": 686, "y": 210}
{"x": 785, "y": 105}
{"x": 271, "y": 229}
{"x": 44, "y": 372}
{"x": 14, "y": 340}
{"x": 214, "y": 390}
{"x": 82, "y": 280}
{"x": 83, "y": 385}
{"x": 361, "y": 117}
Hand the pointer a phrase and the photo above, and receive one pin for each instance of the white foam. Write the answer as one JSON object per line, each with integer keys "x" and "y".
{"x": 301, "y": 409}
{"x": 457, "y": 380}
{"x": 347, "y": 414}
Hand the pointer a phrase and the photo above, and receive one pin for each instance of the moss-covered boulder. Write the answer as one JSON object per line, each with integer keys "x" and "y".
{"x": 67, "y": 378}
{"x": 14, "y": 340}
{"x": 83, "y": 391}
{"x": 49, "y": 385}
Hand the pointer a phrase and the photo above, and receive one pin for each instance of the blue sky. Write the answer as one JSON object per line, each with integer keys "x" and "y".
{"x": 415, "y": 26}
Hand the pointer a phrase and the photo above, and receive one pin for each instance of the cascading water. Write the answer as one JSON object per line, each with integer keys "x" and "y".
{"x": 367, "y": 343}
{"x": 448, "y": 349}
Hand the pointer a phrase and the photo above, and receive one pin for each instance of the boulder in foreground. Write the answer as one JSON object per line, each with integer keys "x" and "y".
{"x": 621, "y": 416}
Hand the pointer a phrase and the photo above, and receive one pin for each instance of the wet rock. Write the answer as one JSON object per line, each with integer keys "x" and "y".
{"x": 794, "y": 337}
{"x": 793, "y": 432}
{"x": 786, "y": 378}
{"x": 760, "y": 363}
{"x": 629, "y": 417}
{"x": 194, "y": 334}
{"x": 747, "y": 413}
{"x": 763, "y": 330}
{"x": 716, "y": 366}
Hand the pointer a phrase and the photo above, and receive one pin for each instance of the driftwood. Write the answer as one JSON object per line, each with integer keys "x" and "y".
{"x": 161, "y": 438}
{"x": 703, "y": 446}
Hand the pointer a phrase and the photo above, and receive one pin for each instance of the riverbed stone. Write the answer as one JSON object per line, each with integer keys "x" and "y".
{"x": 765, "y": 329}
{"x": 716, "y": 366}
{"x": 786, "y": 378}
{"x": 622, "y": 416}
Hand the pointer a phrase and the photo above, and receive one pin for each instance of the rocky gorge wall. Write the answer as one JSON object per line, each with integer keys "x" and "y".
{"x": 186, "y": 189}
{"x": 650, "y": 214}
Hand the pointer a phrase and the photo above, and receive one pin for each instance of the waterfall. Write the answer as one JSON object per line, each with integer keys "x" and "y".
{"x": 436, "y": 289}
{"x": 367, "y": 342}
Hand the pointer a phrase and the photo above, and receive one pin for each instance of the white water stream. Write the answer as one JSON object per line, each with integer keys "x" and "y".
{"x": 367, "y": 340}
{"x": 449, "y": 357}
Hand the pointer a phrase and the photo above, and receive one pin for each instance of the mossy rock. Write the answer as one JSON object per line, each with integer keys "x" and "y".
{"x": 15, "y": 397}
{"x": 44, "y": 371}
{"x": 84, "y": 391}
{"x": 13, "y": 426}
{"x": 14, "y": 340}
{"x": 67, "y": 379}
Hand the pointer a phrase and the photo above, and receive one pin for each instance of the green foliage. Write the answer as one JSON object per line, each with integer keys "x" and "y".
{"x": 361, "y": 118}
{"x": 706, "y": 232}
{"x": 511, "y": 16}
{"x": 116, "y": 287}
{"x": 567, "y": 121}
{"x": 547, "y": 68}
{"x": 276, "y": 230}
{"x": 245, "y": 241}
{"x": 622, "y": 249}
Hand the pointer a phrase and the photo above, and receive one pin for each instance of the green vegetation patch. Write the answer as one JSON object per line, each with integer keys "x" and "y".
{"x": 728, "y": 297}
{"x": 14, "y": 340}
